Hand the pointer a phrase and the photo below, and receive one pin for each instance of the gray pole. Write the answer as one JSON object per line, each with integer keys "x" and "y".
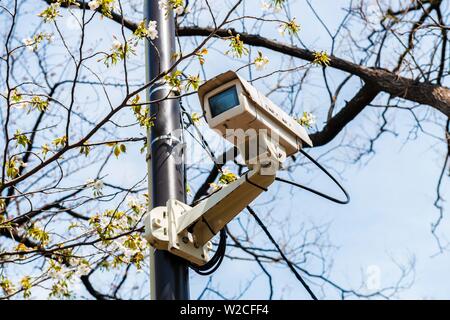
{"x": 170, "y": 278}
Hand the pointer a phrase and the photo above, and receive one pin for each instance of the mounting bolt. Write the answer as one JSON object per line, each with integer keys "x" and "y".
{"x": 156, "y": 223}
{"x": 185, "y": 239}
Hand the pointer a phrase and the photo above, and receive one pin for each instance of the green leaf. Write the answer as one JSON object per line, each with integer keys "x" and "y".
{"x": 116, "y": 150}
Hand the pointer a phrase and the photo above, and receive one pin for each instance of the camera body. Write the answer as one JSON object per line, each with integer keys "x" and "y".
{"x": 231, "y": 104}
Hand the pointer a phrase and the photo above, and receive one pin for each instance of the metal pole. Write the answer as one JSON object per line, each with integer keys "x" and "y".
{"x": 170, "y": 278}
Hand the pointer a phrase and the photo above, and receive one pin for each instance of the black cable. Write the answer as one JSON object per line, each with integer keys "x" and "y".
{"x": 347, "y": 200}
{"x": 203, "y": 142}
{"x": 254, "y": 184}
{"x": 288, "y": 262}
{"x": 214, "y": 263}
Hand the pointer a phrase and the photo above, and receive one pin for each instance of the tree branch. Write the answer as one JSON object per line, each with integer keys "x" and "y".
{"x": 426, "y": 93}
{"x": 353, "y": 107}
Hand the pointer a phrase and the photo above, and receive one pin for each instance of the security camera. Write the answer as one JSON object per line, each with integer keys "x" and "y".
{"x": 231, "y": 104}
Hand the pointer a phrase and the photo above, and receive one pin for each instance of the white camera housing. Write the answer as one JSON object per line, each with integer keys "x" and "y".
{"x": 230, "y": 102}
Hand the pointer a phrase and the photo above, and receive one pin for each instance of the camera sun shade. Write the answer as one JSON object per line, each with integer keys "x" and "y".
{"x": 229, "y": 103}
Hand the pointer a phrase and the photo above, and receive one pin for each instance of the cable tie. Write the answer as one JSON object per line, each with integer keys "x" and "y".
{"x": 169, "y": 137}
{"x": 158, "y": 87}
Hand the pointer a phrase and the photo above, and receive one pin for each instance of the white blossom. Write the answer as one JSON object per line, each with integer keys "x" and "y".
{"x": 265, "y": 6}
{"x": 122, "y": 223}
{"x": 165, "y": 6}
{"x": 116, "y": 45}
{"x": 277, "y": 9}
{"x": 52, "y": 273}
{"x": 128, "y": 252}
{"x": 57, "y": 274}
{"x": 152, "y": 24}
{"x": 97, "y": 185}
{"x": 179, "y": 10}
{"x": 152, "y": 32}
{"x": 28, "y": 42}
{"x": 83, "y": 269}
{"x": 104, "y": 221}
{"x": 74, "y": 262}
{"x": 214, "y": 187}
{"x": 132, "y": 201}
{"x": 116, "y": 245}
{"x": 162, "y": 4}
{"x": 93, "y": 5}
{"x": 261, "y": 62}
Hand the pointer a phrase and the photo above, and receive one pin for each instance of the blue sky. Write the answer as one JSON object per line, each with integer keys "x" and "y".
{"x": 392, "y": 192}
{"x": 388, "y": 221}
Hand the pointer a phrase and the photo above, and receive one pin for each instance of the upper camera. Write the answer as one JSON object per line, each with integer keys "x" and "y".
{"x": 231, "y": 104}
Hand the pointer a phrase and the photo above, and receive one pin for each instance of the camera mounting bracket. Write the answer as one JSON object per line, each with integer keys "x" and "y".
{"x": 186, "y": 231}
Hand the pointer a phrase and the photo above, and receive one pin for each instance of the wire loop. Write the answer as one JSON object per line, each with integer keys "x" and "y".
{"x": 323, "y": 195}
